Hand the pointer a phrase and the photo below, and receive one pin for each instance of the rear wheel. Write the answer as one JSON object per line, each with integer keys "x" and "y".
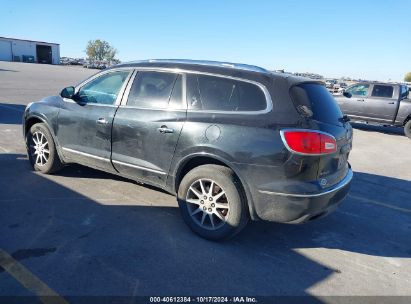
{"x": 407, "y": 129}
{"x": 211, "y": 202}
{"x": 42, "y": 150}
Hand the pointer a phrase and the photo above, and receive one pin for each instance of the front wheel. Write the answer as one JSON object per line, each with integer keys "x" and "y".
{"x": 212, "y": 203}
{"x": 407, "y": 129}
{"x": 42, "y": 150}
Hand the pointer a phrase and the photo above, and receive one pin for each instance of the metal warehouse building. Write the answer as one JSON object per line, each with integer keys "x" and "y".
{"x": 29, "y": 51}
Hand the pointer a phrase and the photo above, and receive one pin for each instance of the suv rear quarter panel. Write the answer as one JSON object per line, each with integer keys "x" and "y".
{"x": 250, "y": 144}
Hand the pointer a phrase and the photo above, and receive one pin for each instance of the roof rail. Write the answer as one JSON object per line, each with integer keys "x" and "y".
{"x": 239, "y": 66}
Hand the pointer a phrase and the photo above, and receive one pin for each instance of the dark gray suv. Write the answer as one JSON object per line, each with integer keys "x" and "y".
{"x": 234, "y": 142}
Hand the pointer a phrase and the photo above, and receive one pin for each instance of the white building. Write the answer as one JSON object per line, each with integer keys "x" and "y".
{"x": 29, "y": 51}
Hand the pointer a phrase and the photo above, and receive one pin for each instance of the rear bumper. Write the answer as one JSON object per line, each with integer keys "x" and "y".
{"x": 301, "y": 207}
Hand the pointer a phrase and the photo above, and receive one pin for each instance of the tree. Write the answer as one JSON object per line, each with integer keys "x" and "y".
{"x": 100, "y": 50}
{"x": 407, "y": 77}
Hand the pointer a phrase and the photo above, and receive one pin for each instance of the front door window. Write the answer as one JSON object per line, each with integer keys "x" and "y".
{"x": 103, "y": 89}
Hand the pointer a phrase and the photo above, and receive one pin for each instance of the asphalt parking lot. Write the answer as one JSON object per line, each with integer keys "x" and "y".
{"x": 84, "y": 232}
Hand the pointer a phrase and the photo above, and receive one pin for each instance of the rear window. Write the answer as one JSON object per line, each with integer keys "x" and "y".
{"x": 382, "y": 91}
{"x": 223, "y": 94}
{"x": 314, "y": 100}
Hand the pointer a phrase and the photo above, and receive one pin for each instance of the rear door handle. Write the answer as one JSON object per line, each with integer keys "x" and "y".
{"x": 391, "y": 102}
{"x": 164, "y": 130}
{"x": 102, "y": 121}
{"x": 360, "y": 100}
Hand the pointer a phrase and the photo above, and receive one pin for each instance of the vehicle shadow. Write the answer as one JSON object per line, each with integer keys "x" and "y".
{"x": 7, "y": 70}
{"x": 128, "y": 248}
{"x": 11, "y": 113}
{"x": 383, "y": 129}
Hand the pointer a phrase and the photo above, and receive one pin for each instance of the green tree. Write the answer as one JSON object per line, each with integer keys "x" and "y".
{"x": 100, "y": 50}
{"x": 407, "y": 77}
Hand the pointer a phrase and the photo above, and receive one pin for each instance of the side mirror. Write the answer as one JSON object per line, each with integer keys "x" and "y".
{"x": 347, "y": 94}
{"x": 68, "y": 92}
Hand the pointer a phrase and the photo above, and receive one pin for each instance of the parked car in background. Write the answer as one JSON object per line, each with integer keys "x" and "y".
{"x": 71, "y": 61}
{"x": 233, "y": 142}
{"x": 329, "y": 83}
{"x": 378, "y": 103}
{"x": 90, "y": 64}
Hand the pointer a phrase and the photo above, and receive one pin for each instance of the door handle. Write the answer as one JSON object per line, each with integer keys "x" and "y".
{"x": 164, "y": 130}
{"x": 360, "y": 100}
{"x": 391, "y": 102}
{"x": 102, "y": 121}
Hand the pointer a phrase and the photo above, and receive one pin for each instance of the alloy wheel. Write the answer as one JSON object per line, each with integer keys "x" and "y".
{"x": 39, "y": 149}
{"x": 207, "y": 204}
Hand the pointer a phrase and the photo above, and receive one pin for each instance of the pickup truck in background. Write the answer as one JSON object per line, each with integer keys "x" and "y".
{"x": 378, "y": 104}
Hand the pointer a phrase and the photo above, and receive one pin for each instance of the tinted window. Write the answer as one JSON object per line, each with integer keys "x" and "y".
{"x": 404, "y": 91}
{"x": 315, "y": 101}
{"x": 223, "y": 94}
{"x": 151, "y": 89}
{"x": 382, "y": 91}
{"x": 103, "y": 89}
{"x": 359, "y": 89}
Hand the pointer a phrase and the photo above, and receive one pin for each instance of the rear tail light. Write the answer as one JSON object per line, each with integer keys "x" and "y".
{"x": 308, "y": 142}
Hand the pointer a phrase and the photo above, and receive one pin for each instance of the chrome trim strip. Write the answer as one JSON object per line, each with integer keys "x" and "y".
{"x": 366, "y": 119}
{"x": 334, "y": 188}
{"x": 305, "y": 130}
{"x": 138, "y": 167}
{"x": 86, "y": 154}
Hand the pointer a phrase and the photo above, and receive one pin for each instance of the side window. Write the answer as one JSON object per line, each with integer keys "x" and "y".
{"x": 152, "y": 90}
{"x": 359, "y": 89}
{"x": 404, "y": 92}
{"x": 103, "y": 89}
{"x": 382, "y": 91}
{"x": 223, "y": 94}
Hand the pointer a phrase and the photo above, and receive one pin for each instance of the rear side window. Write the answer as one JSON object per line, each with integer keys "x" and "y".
{"x": 382, "y": 91}
{"x": 314, "y": 100}
{"x": 152, "y": 90}
{"x": 359, "y": 89}
{"x": 223, "y": 94}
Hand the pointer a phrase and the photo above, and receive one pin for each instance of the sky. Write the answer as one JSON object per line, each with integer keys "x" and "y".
{"x": 359, "y": 39}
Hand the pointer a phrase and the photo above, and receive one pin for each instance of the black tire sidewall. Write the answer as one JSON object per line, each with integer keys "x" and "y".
{"x": 224, "y": 177}
{"x": 53, "y": 160}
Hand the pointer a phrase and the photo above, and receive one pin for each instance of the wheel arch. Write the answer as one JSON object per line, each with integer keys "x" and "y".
{"x": 407, "y": 119}
{"x": 34, "y": 119}
{"x": 192, "y": 161}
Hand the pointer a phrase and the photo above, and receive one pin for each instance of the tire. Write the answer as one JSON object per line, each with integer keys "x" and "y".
{"x": 407, "y": 129}
{"x": 225, "y": 213}
{"x": 45, "y": 158}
